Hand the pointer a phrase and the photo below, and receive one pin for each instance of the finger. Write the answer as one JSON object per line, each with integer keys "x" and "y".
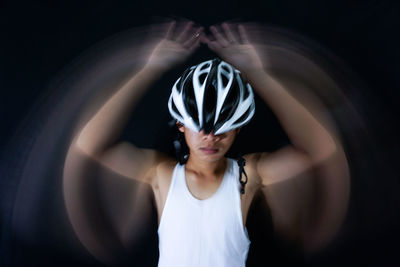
{"x": 229, "y": 33}
{"x": 204, "y": 39}
{"x": 170, "y": 29}
{"x": 243, "y": 35}
{"x": 214, "y": 46}
{"x": 194, "y": 37}
{"x": 183, "y": 35}
{"x": 218, "y": 36}
{"x": 194, "y": 46}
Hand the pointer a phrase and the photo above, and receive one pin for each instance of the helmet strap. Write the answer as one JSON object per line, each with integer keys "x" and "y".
{"x": 179, "y": 149}
{"x": 242, "y": 162}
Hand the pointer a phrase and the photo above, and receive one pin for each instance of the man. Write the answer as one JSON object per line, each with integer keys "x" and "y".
{"x": 202, "y": 205}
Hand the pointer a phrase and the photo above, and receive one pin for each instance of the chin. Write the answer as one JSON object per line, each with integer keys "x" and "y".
{"x": 213, "y": 158}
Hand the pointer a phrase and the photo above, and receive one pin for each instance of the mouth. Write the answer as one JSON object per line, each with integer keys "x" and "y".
{"x": 209, "y": 150}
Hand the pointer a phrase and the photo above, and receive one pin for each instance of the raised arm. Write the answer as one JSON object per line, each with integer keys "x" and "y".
{"x": 97, "y": 139}
{"x": 313, "y": 145}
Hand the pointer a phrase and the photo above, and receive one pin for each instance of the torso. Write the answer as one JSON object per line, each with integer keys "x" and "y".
{"x": 163, "y": 180}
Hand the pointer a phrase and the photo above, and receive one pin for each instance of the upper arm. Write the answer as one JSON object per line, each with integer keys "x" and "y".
{"x": 278, "y": 166}
{"x": 87, "y": 207}
{"x": 312, "y": 206}
{"x": 132, "y": 162}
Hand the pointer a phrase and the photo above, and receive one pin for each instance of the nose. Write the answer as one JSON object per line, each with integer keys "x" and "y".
{"x": 210, "y": 136}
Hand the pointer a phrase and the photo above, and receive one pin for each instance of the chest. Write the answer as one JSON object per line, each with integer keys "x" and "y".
{"x": 199, "y": 192}
{"x": 215, "y": 220}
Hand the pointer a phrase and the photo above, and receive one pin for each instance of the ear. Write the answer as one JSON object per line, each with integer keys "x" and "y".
{"x": 180, "y": 126}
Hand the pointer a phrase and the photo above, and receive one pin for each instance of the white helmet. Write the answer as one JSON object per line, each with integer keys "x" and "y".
{"x": 212, "y": 96}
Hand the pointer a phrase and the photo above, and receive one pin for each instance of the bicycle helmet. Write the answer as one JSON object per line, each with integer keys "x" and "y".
{"x": 212, "y": 96}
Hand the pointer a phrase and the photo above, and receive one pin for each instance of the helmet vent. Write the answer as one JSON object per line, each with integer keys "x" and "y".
{"x": 230, "y": 105}
{"x": 205, "y": 66}
{"x": 243, "y": 117}
{"x": 202, "y": 78}
{"x": 225, "y": 68}
{"x": 225, "y": 80}
{"x": 190, "y": 101}
{"x": 174, "y": 108}
{"x": 210, "y": 100}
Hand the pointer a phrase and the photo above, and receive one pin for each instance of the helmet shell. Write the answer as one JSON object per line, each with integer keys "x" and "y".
{"x": 212, "y": 96}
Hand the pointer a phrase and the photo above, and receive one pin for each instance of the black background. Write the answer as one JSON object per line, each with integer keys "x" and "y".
{"x": 39, "y": 39}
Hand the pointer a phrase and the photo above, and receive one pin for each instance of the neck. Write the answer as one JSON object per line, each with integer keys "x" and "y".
{"x": 206, "y": 168}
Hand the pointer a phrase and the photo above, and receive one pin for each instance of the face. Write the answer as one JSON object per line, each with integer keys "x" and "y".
{"x": 208, "y": 147}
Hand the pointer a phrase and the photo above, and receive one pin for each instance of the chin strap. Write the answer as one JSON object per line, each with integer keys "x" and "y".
{"x": 242, "y": 162}
{"x": 182, "y": 158}
{"x": 178, "y": 144}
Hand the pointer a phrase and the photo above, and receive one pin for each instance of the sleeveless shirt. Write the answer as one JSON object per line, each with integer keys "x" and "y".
{"x": 200, "y": 233}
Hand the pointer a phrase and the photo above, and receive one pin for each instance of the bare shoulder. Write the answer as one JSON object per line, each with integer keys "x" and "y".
{"x": 162, "y": 181}
{"x": 252, "y": 161}
{"x": 163, "y": 173}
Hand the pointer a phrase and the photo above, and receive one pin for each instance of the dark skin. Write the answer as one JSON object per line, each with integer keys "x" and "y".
{"x": 312, "y": 143}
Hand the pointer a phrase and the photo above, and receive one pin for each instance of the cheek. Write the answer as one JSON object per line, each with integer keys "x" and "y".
{"x": 228, "y": 141}
{"x": 191, "y": 139}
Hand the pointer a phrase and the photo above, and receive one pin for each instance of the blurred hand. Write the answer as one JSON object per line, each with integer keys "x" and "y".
{"x": 181, "y": 40}
{"x": 231, "y": 43}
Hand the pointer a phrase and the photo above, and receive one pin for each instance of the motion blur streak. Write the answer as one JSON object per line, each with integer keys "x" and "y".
{"x": 60, "y": 184}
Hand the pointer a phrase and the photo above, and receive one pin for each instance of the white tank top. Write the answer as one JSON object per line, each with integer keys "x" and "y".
{"x": 200, "y": 233}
